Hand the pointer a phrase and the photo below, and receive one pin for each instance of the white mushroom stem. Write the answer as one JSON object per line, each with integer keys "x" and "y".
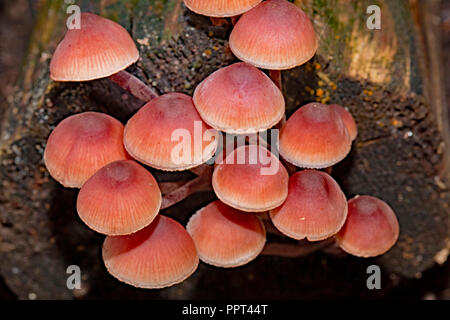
{"x": 133, "y": 85}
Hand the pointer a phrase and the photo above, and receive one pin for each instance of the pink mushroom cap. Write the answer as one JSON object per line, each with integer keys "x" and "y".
{"x": 98, "y": 49}
{"x": 316, "y": 207}
{"x": 371, "y": 228}
{"x": 226, "y": 237}
{"x": 160, "y": 255}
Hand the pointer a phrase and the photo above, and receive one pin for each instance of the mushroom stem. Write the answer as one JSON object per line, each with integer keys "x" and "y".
{"x": 133, "y": 85}
{"x": 202, "y": 170}
{"x": 218, "y": 22}
{"x": 301, "y": 249}
{"x": 235, "y": 19}
{"x": 199, "y": 184}
{"x": 168, "y": 187}
{"x": 275, "y": 75}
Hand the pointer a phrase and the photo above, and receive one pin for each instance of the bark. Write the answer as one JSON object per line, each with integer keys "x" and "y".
{"x": 388, "y": 78}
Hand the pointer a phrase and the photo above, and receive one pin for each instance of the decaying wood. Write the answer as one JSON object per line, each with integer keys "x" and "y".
{"x": 380, "y": 75}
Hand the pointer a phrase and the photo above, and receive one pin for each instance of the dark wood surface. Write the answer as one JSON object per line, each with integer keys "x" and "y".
{"x": 387, "y": 78}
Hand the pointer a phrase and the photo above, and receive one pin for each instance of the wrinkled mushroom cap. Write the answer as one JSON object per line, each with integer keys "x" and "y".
{"x": 158, "y": 256}
{"x": 316, "y": 207}
{"x": 81, "y": 144}
{"x": 226, "y": 237}
{"x": 98, "y": 49}
{"x": 348, "y": 119}
{"x": 220, "y": 8}
{"x": 239, "y": 99}
{"x": 274, "y": 35}
{"x": 314, "y": 137}
{"x": 371, "y": 228}
{"x": 168, "y": 134}
{"x": 120, "y": 198}
{"x": 251, "y": 179}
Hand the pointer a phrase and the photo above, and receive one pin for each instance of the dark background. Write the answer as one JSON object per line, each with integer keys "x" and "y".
{"x": 16, "y": 21}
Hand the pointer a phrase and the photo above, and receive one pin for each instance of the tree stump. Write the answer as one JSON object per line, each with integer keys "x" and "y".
{"x": 390, "y": 79}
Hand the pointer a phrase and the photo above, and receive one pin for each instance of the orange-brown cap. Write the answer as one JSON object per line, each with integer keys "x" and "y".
{"x": 169, "y": 134}
{"x": 160, "y": 255}
{"x": 226, "y": 237}
{"x": 239, "y": 99}
{"x": 120, "y": 198}
{"x": 371, "y": 228}
{"x": 220, "y": 8}
{"x": 251, "y": 179}
{"x": 81, "y": 144}
{"x": 274, "y": 35}
{"x": 316, "y": 207}
{"x": 98, "y": 49}
{"x": 314, "y": 137}
{"x": 348, "y": 119}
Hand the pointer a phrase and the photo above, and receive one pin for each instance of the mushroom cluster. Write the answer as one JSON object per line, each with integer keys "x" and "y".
{"x": 121, "y": 199}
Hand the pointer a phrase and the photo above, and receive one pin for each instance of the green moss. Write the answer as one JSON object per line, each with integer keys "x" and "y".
{"x": 326, "y": 9}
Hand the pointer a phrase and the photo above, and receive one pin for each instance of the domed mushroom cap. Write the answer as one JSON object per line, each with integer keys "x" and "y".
{"x": 120, "y": 198}
{"x": 274, "y": 35}
{"x": 220, "y": 8}
{"x": 314, "y": 137}
{"x": 81, "y": 144}
{"x": 226, "y": 237}
{"x": 98, "y": 49}
{"x": 251, "y": 179}
{"x": 348, "y": 119}
{"x": 239, "y": 99}
{"x": 371, "y": 228}
{"x": 316, "y": 207}
{"x": 160, "y": 255}
{"x": 169, "y": 134}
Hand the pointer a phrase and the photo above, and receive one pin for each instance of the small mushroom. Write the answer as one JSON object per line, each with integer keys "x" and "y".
{"x": 220, "y": 8}
{"x": 348, "y": 119}
{"x": 239, "y": 99}
{"x": 120, "y": 198}
{"x": 371, "y": 228}
{"x": 100, "y": 48}
{"x": 275, "y": 35}
{"x": 316, "y": 207}
{"x": 160, "y": 255}
{"x": 226, "y": 237}
{"x": 251, "y": 179}
{"x": 315, "y": 136}
{"x": 81, "y": 144}
{"x": 152, "y": 136}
